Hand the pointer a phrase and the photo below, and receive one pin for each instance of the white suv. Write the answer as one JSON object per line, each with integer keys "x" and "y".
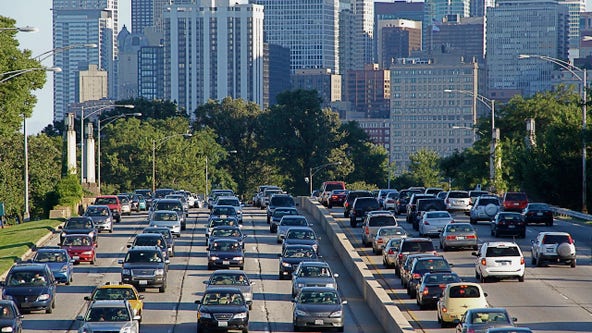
{"x": 458, "y": 201}
{"x": 502, "y": 260}
{"x": 553, "y": 246}
{"x": 484, "y": 209}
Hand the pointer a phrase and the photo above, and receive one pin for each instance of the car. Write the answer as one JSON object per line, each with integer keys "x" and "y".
{"x": 474, "y": 194}
{"x": 227, "y": 231}
{"x": 59, "y": 261}
{"x": 288, "y": 221}
{"x": 412, "y": 245}
{"x": 160, "y": 193}
{"x": 222, "y": 308}
{"x": 119, "y": 291}
{"x": 405, "y": 269}
{"x": 480, "y": 319}
{"x": 138, "y": 203}
{"x": 350, "y": 197}
{"x": 313, "y": 274}
{"x": 432, "y": 223}
{"x": 458, "y": 201}
{"x": 373, "y": 222}
{"x": 292, "y": 255}
{"x": 384, "y": 234}
{"x": 234, "y": 279}
{"x": 277, "y": 215}
{"x": 514, "y": 201}
{"x": 215, "y": 193}
{"x": 425, "y": 205}
{"x": 457, "y": 298}
{"x": 423, "y": 265}
{"x": 101, "y": 216}
{"x": 336, "y": 198}
{"x": 80, "y": 248}
{"x": 231, "y": 201}
{"x": 259, "y": 193}
{"x": 278, "y": 200}
{"x": 79, "y": 225}
{"x": 181, "y": 197}
{"x": 11, "y": 319}
{"x": 174, "y": 205}
{"x": 166, "y": 219}
{"x": 458, "y": 235}
{"x": 433, "y": 190}
{"x": 267, "y": 193}
{"x": 109, "y": 316}
{"x": 509, "y": 330}
{"x": 381, "y": 196}
{"x": 411, "y": 208}
{"x": 360, "y": 207}
{"x": 484, "y": 208}
{"x": 114, "y": 204}
{"x": 502, "y": 260}
{"x": 301, "y": 235}
{"x": 553, "y": 247}
{"x": 327, "y": 188}
{"x": 537, "y": 212}
{"x": 403, "y": 200}
{"x": 225, "y": 253}
{"x": 389, "y": 252}
{"x": 390, "y": 201}
{"x": 31, "y": 286}
{"x": 151, "y": 239}
{"x": 168, "y": 237}
{"x": 430, "y": 288}
{"x": 146, "y": 194}
{"x": 217, "y": 221}
{"x": 318, "y": 307}
{"x": 144, "y": 267}
{"x": 224, "y": 211}
{"x": 126, "y": 205}
{"x": 508, "y": 224}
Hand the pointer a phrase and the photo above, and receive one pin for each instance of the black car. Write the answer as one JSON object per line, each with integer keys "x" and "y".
{"x": 536, "y": 212}
{"x": 508, "y": 224}
{"x": 404, "y": 196}
{"x": 11, "y": 319}
{"x": 279, "y": 200}
{"x": 412, "y": 245}
{"x": 292, "y": 255}
{"x": 430, "y": 289}
{"x": 168, "y": 237}
{"x": 31, "y": 286}
{"x": 151, "y": 239}
{"x": 349, "y": 200}
{"x": 225, "y": 253}
{"x": 423, "y": 265}
{"x": 222, "y": 309}
{"x": 144, "y": 267}
{"x": 301, "y": 235}
{"x": 412, "y": 206}
{"x": 227, "y": 231}
{"x": 79, "y": 225}
{"x": 360, "y": 207}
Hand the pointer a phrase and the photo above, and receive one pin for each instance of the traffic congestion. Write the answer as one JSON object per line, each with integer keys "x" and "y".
{"x": 176, "y": 263}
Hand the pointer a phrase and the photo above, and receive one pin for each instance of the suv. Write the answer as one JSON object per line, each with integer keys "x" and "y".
{"x": 412, "y": 205}
{"x": 426, "y": 205}
{"x": 374, "y": 222}
{"x": 144, "y": 266}
{"x": 411, "y": 246}
{"x": 484, "y": 209}
{"x": 360, "y": 207}
{"x": 423, "y": 265}
{"x": 403, "y": 200}
{"x": 110, "y": 316}
{"x": 114, "y": 204}
{"x": 458, "y": 201}
{"x": 31, "y": 286}
{"x": 259, "y": 195}
{"x": 503, "y": 260}
{"x": 552, "y": 247}
{"x": 82, "y": 225}
{"x": 508, "y": 223}
{"x": 173, "y": 204}
{"x": 326, "y": 189}
{"x": 349, "y": 200}
{"x": 515, "y": 201}
{"x": 279, "y": 200}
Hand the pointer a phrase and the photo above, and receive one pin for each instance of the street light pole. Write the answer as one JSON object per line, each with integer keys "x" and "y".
{"x": 584, "y": 82}
{"x": 26, "y": 214}
{"x": 313, "y": 171}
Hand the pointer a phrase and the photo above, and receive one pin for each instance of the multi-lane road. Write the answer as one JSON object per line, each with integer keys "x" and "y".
{"x": 175, "y": 311}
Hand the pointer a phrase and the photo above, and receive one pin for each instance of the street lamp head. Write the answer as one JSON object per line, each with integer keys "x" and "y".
{"x": 91, "y": 45}
{"x": 187, "y": 135}
{"x": 524, "y": 56}
{"x": 136, "y": 114}
{"x": 53, "y": 69}
{"x": 27, "y": 29}
{"x": 232, "y": 151}
{"x": 127, "y": 106}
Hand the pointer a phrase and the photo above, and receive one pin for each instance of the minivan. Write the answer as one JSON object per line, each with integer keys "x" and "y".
{"x": 373, "y": 222}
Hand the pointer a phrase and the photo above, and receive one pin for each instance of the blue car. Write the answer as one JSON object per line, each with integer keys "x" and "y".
{"x": 31, "y": 286}
{"x": 58, "y": 260}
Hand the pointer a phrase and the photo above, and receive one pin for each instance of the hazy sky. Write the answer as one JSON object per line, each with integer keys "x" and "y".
{"x": 37, "y": 13}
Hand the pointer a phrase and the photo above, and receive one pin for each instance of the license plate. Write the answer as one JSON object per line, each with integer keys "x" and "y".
{"x": 511, "y": 226}
{"x": 75, "y": 257}
{"x": 143, "y": 282}
{"x": 539, "y": 214}
{"x": 460, "y": 237}
{"x": 504, "y": 263}
{"x": 222, "y": 324}
{"x": 225, "y": 262}
{"x": 318, "y": 322}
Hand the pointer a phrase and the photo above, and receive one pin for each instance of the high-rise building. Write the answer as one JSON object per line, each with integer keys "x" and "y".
{"x": 213, "y": 50}
{"x": 435, "y": 12}
{"x": 278, "y": 63}
{"x": 369, "y": 91}
{"x": 92, "y": 84}
{"x": 575, "y": 8}
{"x": 77, "y": 23}
{"x": 309, "y": 29}
{"x": 396, "y": 39}
{"x": 479, "y": 7}
{"x": 326, "y": 83}
{"x": 356, "y": 34}
{"x": 129, "y": 44}
{"x": 461, "y": 35}
{"x": 151, "y": 72}
{"x": 515, "y": 27}
{"x": 148, "y": 14}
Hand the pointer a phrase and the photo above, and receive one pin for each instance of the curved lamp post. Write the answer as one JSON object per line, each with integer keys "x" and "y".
{"x": 47, "y": 54}
{"x": 579, "y": 74}
{"x": 12, "y": 74}
{"x": 156, "y": 144}
{"x": 21, "y": 29}
{"x": 314, "y": 170}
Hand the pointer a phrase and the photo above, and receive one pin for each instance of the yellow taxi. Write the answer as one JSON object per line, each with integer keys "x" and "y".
{"x": 119, "y": 291}
{"x": 456, "y": 299}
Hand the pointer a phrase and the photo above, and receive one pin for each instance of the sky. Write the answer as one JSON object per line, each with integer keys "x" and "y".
{"x": 37, "y": 13}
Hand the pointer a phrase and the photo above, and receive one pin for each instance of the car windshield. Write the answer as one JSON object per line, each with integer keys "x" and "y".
{"x": 489, "y": 318}
{"x": 379, "y": 221}
{"x": 108, "y": 314}
{"x": 229, "y": 280}
{"x": 557, "y": 239}
{"x": 226, "y": 232}
{"x": 97, "y": 211}
{"x": 27, "y": 278}
{"x": 105, "y": 294}
{"x": 165, "y": 216}
{"x": 176, "y": 206}
{"x": 300, "y": 234}
{"x": 418, "y": 246}
{"x": 459, "y": 228}
{"x": 221, "y": 222}
{"x": 225, "y": 246}
{"x": 510, "y": 251}
{"x": 224, "y": 211}
{"x": 538, "y": 206}
{"x": 50, "y": 257}
{"x": 437, "y": 215}
{"x": 431, "y": 265}
{"x": 230, "y": 202}
{"x": 79, "y": 224}
{"x": 222, "y": 298}
{"x": 391, "y": 231}
{"x": 143, "y": 256}
{"x": 164, "y": 232}
{"x": 106, "y": 201}
{"x": 293, "y": 222}
{"x": 282, "y": 212}
{"x": 318, "y": 297}
{"x": 77, "y": 241}
{"x": 314, "y": 271}
{"x": 299, "y": 253}
{"x": 148, "y": 241}
{"x": 464, "y": 291}
{"x": 441, "y": 278}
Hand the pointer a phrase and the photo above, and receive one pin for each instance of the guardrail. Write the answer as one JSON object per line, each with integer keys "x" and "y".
{"x": 571, "y": 213}
{"x": 386, "y": 311}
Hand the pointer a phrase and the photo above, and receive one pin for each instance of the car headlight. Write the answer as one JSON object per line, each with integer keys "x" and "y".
{"x": 300, "y": 285}
{"x": 64, "y": 268}
{"x": 43, "y": 297}
{"x": 91, "y": 234}
{"x": 330, "y": 285}
{"x": 125, "y": 271}
{"x": 301, "y": 313}
{"x": 88, "y": 253}
{"x": 159, "y": 272}
{"x": 63, "y": 234}
{"x": 238, "y": 258}
{"x": 240, "y": 315}
{"x": 203, "y": 315}
{"x": 108, "y": 220}
{"x": 286, "y": 264}
{"x": 6, "y": 329}
{"x": 315, "y": 247}
{"x": 214, "y": 258}
{"x": 336, "y": 314}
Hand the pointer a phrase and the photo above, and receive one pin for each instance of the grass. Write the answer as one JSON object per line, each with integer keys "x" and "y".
{"x": 15, "y": 240}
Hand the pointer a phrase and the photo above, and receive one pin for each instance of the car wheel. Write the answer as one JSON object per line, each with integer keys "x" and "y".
{"x": 444, "y": 247}
{"x": 345, "y": 214}
{"x": 521, "y": 278}
{"x": 242, "y": 268}
{"x": 492, "y": 233}
{"x": 296, "y": 328}
{"x": 111, "y": 230}
{"x": 49, "y": 309}
{"x": 281, "y": 276}
{"x": 246, "y": 330}
{"x": 532, "y": 260}
{"x": 210, "y": 267}
{"x": 549, "y": 224}
{"x": 329, "y": 206}
{"x": 523, "y": 235}
{"x": 482, "y": 279}
{"x": 539, "y": 261}
{"x": 93, "y": 261}
{"x": 573, "y": 263}
{"x": 477, "y": 275}
{"x": 162, "y": 289}
{"x": 352, "y": 222}
{"x": 268, "y": 220}
{"x": 471, "y": 221}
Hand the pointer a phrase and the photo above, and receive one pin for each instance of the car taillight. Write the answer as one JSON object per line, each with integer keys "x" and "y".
{"x": 521, "y": 260}
{"x": 379, "y": 240}
{"x": 390, "y": 251}
{"x": 367, "y": 230}
{"x": 470, "y": 330}
{"x": 400, "y": 256}
{"x": 444, "y": 309}
{"x": 570, "y": 240}
{"x": 483, "y": 262}
{"x": 426, "y": 223}
{"x": 452, "y": 221}
{"x": 425, "y": 291}
{"x": 442, "y": 286}
{"x": 450, "y": 237}
{"x": 416, "y": 276}
{"x": 471, "y": 237}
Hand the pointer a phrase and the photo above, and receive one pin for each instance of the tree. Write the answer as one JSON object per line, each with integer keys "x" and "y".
{"x": 424, "y": 167}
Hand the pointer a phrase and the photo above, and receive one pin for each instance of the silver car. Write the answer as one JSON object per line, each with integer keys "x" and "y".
{"x": 232, "y": 278}
{"x": 313, "y": 274}
{"x": 166, "y": 218}
{"x": 383, "y": 235}
{"x": 458, "y": 235}
{"x": 101, "y": 216}
{"x": 432, "y": 223}
{"x": 289, "y": 221}
{"x": 375, "y": 221}
{"x": 389, "y": 253}
{"x": 318, "y": 307}
{"x": 109, "y": 316}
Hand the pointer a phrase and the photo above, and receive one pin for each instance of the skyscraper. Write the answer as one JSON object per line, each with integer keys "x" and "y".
{"x": 76, "y": 23}
{"x": 148, "y": 14}
{"x": 213, "y": 50}
{"x": 356, "y": 34}
{"x": 435, "y": 11}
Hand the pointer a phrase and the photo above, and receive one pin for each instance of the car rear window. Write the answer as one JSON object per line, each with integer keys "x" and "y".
{"x": 437, "y": 215}
{"x": 423, "y": 246}
{"x": 516, "y": 196}
{"x": 487, "y": 201}
{"x": 381, "y": 221}
{"x": 458, "y": 194}
{"x": 557, "y": 239}
{"x": 169, "y": 206}
{"x": 424, "y": 265}
{"x": 464, "y": 291}
{"x": 282, "y": 201}
{"x": 510, "y": 251}
{"x": 366, "y": 202}
{"x": 538, "y": 206}
{"x": 334, "y": 186}
{"x": 105, "y": 201}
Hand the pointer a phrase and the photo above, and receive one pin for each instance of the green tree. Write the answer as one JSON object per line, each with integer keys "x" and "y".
{"x": 424, "y": 167}
{"x": 45, "y": 160}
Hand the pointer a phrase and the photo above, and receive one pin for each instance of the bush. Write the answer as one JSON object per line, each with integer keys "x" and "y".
{"x": 69, "y": 191}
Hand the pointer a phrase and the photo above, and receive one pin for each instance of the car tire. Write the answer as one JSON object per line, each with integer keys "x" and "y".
{"x": 296, "y": 328}
{"x": 329, "y": 206}
{"x": 93, "y": 261}
{"x": 573, "y": 264}
{"x": 162, "y": 289}
{"x": 281, "y": 276}
{"x": 471, "y": 221}
{"x": 352, "y": 222}
{"x": 246, "y": 330}
{"x": 523, "y": 235}
{"x": 521, "y": 278}
{"x": 210, "y": 267}
{"x": 340, "y": 329}
{"x": 477, "y": 276}
{"x": 49, "y": 309}
{"x": 111, "y": 230}
{"x": 444, "y": 247}
{"x": 533, "y": 260}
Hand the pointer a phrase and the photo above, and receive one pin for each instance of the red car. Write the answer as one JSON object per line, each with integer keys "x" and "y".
{"x": 336, "y": 198}
{"x": 114, "y": 204}
{"x": 80, "y": 248}
{"x": 514, "y": 201}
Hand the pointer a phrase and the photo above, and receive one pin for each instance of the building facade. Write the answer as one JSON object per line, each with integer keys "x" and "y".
{"x": 369, "y": 91}
{"x": 397, "y": 39}
{"x": 326, "y": 83}
{"x": 435, "y": 12}
{"x": 356, "y": 34}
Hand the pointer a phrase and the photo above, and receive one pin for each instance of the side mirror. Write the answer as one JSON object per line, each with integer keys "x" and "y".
{"x": 129, "y": 246}
{"x": 485, "y": 294}
{"x": 476, "y": 254}
{"x": 205, "y": 282}
{"x": 138, "y": 318}
{"x": 87, "y": 298}
{"x": 141, "y": 296}
{"x": 120, "y": 261}
{"x": 335, "y": 275}
{"x": 167, "y": 261}
{"x": 197, "y": 302}
{"x": 253, "y": 283}
{"x": 249, "y": 302}
{"x": 344, "y": 302}
{"x": 79, "y": 318}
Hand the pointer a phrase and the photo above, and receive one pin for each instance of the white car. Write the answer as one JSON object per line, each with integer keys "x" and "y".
{"x": 458, "y": 201}
{"x": 231, "y": 201}
{"x": 553, "y": 247}
{"x": 432, "y": 223}
{"x": 484, "y": 209}
{"x": 501, "y": 260}
{"x": 166, "y": 218}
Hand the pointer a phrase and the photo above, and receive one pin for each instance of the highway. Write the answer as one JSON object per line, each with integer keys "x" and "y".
{"x": 174, "y": 310}
{"x": 552, "y": 299}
